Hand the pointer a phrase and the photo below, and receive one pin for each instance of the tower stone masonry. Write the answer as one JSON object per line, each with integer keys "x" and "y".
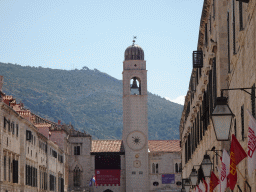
{"x": 135, "y": 120}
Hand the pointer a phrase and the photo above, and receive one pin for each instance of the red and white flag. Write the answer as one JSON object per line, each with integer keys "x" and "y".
{"x": 201, "y": 187}
{"x": 251, "y": 144}
{"x": 214, "y": 181}
{"x": 224, "y": 171}
{"x": 237, "y": 154}
{"x": 197, "y": 188}
{"x": 206, "y": 185}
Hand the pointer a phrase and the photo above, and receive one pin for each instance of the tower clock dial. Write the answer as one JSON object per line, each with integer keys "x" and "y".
{"x": 136, "y": 140}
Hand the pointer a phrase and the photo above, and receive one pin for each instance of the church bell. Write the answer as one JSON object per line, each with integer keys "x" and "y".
{"x": 134, "y": 84}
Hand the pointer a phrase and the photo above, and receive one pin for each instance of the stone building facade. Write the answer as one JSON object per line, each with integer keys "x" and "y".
{"x": 227, "y": 41}
{"x": 29, "y": 161}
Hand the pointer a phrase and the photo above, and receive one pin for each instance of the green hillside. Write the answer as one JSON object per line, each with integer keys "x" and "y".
{"x": 88, "y": 99}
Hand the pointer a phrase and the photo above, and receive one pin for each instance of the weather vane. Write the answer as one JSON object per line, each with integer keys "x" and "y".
{"x": 134, "y": 37}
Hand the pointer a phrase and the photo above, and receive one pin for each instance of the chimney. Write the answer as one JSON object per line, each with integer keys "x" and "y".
{"x": 1, "y": 82}
{"x": 59, "y": 122}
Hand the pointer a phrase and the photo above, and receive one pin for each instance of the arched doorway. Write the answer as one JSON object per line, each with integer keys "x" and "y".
{"x": 108, "y": 190}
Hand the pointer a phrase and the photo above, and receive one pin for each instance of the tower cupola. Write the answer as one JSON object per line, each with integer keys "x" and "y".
{"x": 134, "y": 52}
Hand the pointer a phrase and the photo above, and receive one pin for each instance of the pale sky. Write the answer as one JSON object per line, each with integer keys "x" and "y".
{"x": 95, "y": 33}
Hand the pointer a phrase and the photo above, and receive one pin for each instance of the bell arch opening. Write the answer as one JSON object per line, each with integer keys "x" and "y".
{"x": 108, "y": 190}
{"x": 135, "y": 86}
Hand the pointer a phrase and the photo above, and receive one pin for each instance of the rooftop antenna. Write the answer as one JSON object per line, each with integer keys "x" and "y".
{"x": 134, "y": 37}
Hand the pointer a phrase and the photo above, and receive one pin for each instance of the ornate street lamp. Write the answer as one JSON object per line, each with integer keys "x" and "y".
{"x": 193, "y": 176}
{"x": 187, "y": 185}
{"x": 222, "y": 118}
{"x": 206, "y": 165}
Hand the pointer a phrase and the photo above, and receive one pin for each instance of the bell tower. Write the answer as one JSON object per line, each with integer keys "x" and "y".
{"x": 135, "y": 119}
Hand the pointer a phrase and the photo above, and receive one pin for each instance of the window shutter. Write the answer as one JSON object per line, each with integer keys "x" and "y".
{"x": 253, "y": 100}
{"x": 62, "y": 185}
{"x": 214, "y": 82}
{"x": 242, "y": 121}
{"x": 241, "y": 15}
{"x": 5, "y": 122}
{"x": 78, "y": 150}
{"x": 17, "y": 130}
{"x": 234, "y": 29}
{"x": 228, "y": 42}
{"x": 210, "y": 93}
{"x": 205, "y": 35}
{"x": 15, "y": 171}
{"x": 28, "y": 135}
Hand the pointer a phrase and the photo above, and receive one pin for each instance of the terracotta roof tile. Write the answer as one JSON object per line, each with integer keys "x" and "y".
{"x": 153, "y": 145}
{"x": 107, "y": 146}
{"x": 164, "y": 145}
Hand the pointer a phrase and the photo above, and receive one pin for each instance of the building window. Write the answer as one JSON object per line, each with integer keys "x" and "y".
{"x": 45, "y": 181}
{"x": 52, "y": 182}
{"x": 213, "y": 9}
{"x": 5, "y": 168}
{"x": 9, "y": 126}
{"x": 180, "y": 168}
{"x": 17, "y": 130}
{"x": 234, "y": 29}
{"x": 31, "y": 176}
{"x": 228, "y": 42}
{"x": 77, "y": 150}
{"x": 13, "y": 128}
{"x": 76, "y": 178}
{"x": 241, "y": 15}
{"x": 9, "y": 173}
{"x": 5, "y": 123}
{"x": 61, "y": 184}
{"x": 154, "y": 168}
{"x": 205, "y": 35}
{"x": 15, "y": 173}
{"x": 28, "y": 135}
{"x": 176, "y": 167}
{"x": 60, "y": 158}
{"x": 54, "y": 153}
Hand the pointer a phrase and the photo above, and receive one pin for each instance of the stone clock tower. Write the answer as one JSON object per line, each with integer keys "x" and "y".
{"x": 135, "y": 119}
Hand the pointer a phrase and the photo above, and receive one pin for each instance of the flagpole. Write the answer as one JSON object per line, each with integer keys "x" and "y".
{"x": 240, "y": 173}
{"x": 243, "y": 178}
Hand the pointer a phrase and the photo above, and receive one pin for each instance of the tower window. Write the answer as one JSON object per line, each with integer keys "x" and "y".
{"x": 135, "y": 86}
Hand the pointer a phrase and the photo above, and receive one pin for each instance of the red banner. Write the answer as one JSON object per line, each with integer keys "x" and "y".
{"x": 214, "y": 181}
{"x": 237, "y": 154}
{"x": 107, "y": 176}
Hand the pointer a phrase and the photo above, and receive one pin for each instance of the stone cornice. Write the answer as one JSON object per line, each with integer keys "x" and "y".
{"x": 204, "y": 16}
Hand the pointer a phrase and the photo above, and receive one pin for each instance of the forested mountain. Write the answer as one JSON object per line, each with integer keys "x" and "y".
{"x": 88, "y": 99}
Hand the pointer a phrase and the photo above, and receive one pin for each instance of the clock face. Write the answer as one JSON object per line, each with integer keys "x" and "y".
{"x": 136, "y": 140}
